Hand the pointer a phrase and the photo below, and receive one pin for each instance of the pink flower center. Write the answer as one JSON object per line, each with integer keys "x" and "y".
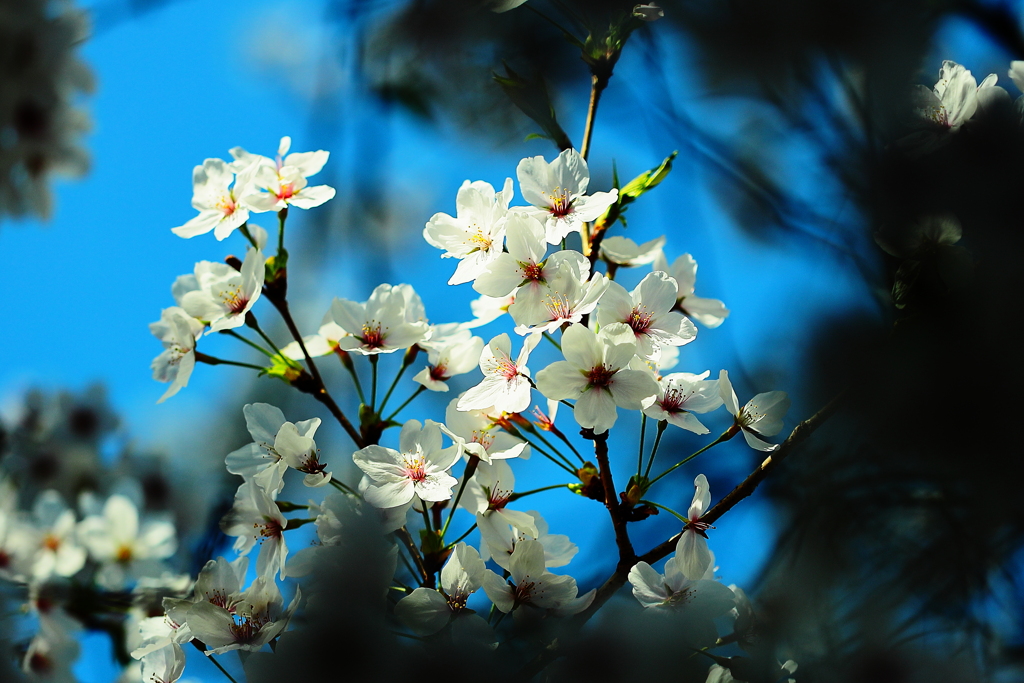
{"x": 532, "y": 271}
{"x": 674, "y": 398}
{"x": 226, "y": 205}
{"x": 561, "y": 203}
{"x": 218, "y": 597}
{"x": 507, "y": 369}
{"x": 600, "y": 377}
{"x": 233, "y": 299}
{"x": 640, "y": 319}
{"x": 270, "y": 528}
{"x": 437, "y": 372}
{"x": 373, "y": 335}
{"x": 415, "y": 468}
{"x": 524, "y": 591}
{"x": 498, "y": 498}
{"x": 558, "y": 306}
{"x": 287, "y": 191}
{"x": 246, "y": 627}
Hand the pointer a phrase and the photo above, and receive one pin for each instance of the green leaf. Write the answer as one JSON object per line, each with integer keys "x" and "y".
{"x": 645, "y": 182}
{"x": 283, "y": 368}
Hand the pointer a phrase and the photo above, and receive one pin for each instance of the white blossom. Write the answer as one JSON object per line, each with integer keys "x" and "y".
{"x": 419, "y": 470}
{"x": 596, "y": 374}
{"x": 761, "y": 416}
{"x": 557, "y": 192}
{"x": 476, "y": 234}
{"x": 178, "y": 331}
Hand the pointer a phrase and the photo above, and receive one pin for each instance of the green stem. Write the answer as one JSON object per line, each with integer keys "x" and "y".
{"x": 220, "y": 666}
{"x": 555, "y": 450}
{"x": 244, "y": 229}
{"x": 340, "y": 486}
{"x": 553, "y": 341}
{"x": 640, "y": 453}
{"x": 373, "y": 386}
{"x": 282, "y": 215}
{"x": 355, "y": 380}
{"x": 212, "y": 360}
{"x": 251, "y": 321}
{"x": 251, "y": 343}
{"x": 564, "y": 463}
{"x": 724, "y": 437}
{"x": 466, "y": 476}
{"x": 384, "y": 402}
{"x": 416, "y": 393}
{"x": 517, "y": 496}
{"x": 426, "y": 518}
{"x": 468, "y": 532}
{"x": 662, "y": 425}
{"x": 678, "y": 516}
{"x": 568, "y": 443}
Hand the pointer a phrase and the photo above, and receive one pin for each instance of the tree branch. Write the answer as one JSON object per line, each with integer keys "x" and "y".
{"x": 744, "y": 489}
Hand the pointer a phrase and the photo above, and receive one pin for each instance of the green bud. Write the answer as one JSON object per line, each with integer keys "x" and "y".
{"x": 284, "y": 368}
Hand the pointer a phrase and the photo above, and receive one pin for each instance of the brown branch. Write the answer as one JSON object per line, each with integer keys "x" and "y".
{"x": 410, "y": 545}
{"x": 320, "y": 393}
{"x": 627, "y": 556}
{"x": 744, "y": 489}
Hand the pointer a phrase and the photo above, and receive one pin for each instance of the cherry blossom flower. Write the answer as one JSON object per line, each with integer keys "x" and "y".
{"x": 557, "y": 192}
{"x": 595, "y": 374}
{"x": 419, "y": 470}
{"x": 164, "y": 665}
{"x": 531, "y": 583}
{"x": 955, "y": 97}
{"x": 219, "y": 583}
{"x": 679, "y": 396}
{"x": 499, "y": 542}
{"x": 506, "y": 383}
{"x": 57, "y": 551}
{"x": 488, "y": 493}
{"x": 648, "y": 312}
{"x": 256, "y": 518}
{"x": 693, "y": 558}
{"x": 675, "y": 590}
{"x": 453, "y": 356}
{"x": 379, "y": 325}
{"x": 476, "y": 234}
{"x": 427, "y": 611}
{"x": 623, "y": 251}
{"x": 945, "y": 108}
{"x": 217, "y": 200}
{"x": 761, "y": 416}
{"x": 51, "y": 653}
{"x": 566, "y": 298}
{"x": 480, "y": 435}
{"x": 17, "y": 542}
{"x": 277, "y": 444}
{"x": 178, "y": 331}
{"x": 708, "y": 312}
{"x": 123, "y": 548}
{"x": 255, "y": 620}
{"x": 281, "y": 183}
{"x": 224, "y": 295}
{"x": 523, "y": 269}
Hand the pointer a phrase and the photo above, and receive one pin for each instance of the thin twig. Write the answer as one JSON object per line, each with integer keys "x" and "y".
{"x": 321, "y": 394}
